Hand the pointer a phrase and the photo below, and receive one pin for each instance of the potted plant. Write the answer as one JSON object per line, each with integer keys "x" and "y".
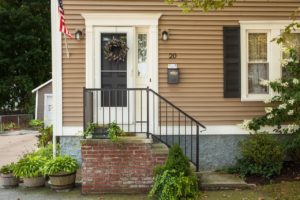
{"x": 96, "y": 132}
{"x": 30, "y": 169}
{"x": 7, "y": 178}
{"x": 62, "y": 172}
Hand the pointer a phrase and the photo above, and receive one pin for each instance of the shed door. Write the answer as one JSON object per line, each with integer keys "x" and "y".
{"x": 48, "y": 110}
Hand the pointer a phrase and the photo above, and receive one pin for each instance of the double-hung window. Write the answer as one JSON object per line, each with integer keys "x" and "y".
{"x": 261, "y": 58}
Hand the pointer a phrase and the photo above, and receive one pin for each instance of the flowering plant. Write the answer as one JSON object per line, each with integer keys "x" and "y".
{"x": 284, "y": 107}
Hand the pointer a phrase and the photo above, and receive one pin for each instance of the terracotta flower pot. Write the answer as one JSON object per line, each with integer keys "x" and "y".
{"x": 8, "y": 180}
{"x": 62, "y": 181}
{"x": 34, "y": 182}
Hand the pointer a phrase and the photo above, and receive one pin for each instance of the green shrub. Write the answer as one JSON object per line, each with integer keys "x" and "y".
{"x": 261, "y": 155}
{"x": 7, "y": 169}
{"x": 36, "y": 123}
{"x": 114, "y": 131}
{"x": 292, "y": 147}
{"x": 60, "y": 164}
{"x": 171, "y": 186}
{"x": 29, "y": 166}
{"x": 175, "y": 179}
{"x": 45, "y": 136}
{"x": 47, "y": 152}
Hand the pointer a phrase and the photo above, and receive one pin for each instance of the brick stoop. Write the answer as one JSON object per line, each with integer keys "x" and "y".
{"x": 125, "y": 167}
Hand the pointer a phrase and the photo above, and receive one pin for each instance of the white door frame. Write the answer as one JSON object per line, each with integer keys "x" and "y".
{"x": 113, "y": 111}
{"x": 95, "y": 21}
{"x": 46, "y": 96}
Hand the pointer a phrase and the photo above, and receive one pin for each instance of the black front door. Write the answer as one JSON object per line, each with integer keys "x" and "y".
{"x": 113, "y": 75}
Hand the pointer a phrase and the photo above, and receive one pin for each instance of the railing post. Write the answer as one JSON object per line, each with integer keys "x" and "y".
{"x": 84, "y": 102}
{"x": 147, "y": 112}
{"x": 197, "y": 148}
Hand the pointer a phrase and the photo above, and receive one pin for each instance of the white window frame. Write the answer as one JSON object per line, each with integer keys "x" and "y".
{"x": 274, "y": 29}
{"x": 260, "y": 96}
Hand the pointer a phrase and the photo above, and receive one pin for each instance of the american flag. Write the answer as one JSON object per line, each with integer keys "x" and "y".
{"x": 62, "y": 26}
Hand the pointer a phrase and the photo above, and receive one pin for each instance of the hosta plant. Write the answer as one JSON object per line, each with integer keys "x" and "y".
{"x": 29, "y": 166}
{"x": 60, "y": 165}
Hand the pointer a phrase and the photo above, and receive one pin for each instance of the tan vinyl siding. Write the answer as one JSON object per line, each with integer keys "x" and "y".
{"x": 197, "y": 38}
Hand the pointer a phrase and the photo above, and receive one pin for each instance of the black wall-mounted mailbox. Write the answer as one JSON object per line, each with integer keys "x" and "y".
{"x": 173, "y": 76}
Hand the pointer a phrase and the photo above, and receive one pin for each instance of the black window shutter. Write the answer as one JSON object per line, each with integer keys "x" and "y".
{"x": 232, "y": 62}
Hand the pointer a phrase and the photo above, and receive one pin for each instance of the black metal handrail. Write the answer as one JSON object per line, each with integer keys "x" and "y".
{"x": 142, "y": 110}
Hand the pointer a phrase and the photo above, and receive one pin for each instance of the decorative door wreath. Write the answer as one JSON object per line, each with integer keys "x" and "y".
{"x": 116, "y": 50}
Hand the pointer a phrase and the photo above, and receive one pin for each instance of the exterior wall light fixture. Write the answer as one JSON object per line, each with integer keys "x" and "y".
{"x": 78, "y": 34}
{"x": 165, "y": 35}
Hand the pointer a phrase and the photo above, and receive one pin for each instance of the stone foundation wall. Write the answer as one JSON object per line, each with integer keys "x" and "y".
{"x": 126, "y": 167}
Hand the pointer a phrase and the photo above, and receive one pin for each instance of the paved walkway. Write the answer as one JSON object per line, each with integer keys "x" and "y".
{"x": 47, "y": 194}
{"x": 14, "y": 143}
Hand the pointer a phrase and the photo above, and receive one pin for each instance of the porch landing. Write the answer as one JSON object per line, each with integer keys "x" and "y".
{"x": 222, "y": 181}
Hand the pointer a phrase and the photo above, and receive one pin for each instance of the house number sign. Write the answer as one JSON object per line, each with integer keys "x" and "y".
{"x": 172, "y": 55}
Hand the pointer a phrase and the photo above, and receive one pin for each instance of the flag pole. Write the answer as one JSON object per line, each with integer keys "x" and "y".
{"x": 67, "y": 48}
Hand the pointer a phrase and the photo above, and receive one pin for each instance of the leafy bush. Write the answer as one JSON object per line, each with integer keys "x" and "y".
{"x": 114, "y": 131}
{"x": 60, "y": 164}
{"x": 175, "y": 179}
{"x": 261, "y": 155}
{"x": 29, "y": 166}
{"x": 7, "y": 169}
{"x": 171, "y": 186}
{"x": 292, "y": 147}
{"x": 45, "y": 136}
{"x": 89, "y": 130}
{"x": 10, "y": 126}
{"x": 36, "y": 123}
{"x": 47, "y": 152}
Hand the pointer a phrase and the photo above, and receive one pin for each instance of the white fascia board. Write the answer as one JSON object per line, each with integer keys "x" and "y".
{"x": 41, "y": 86}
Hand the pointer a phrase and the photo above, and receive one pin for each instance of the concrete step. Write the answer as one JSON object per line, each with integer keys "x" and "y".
{"x": 221, "y": 181}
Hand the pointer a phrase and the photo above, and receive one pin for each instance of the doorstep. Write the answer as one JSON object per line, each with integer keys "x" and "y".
{"x": 222, "y": 181}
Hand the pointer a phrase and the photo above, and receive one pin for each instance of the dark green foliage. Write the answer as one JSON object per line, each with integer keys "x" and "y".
{"x": 178, "y": 161}
{"x": 60, "y": 164}
{"x": 175, "y": 180}
{"x": 292, "y": 147}
{"x": 45, "y": 136}
{"x": 261, "y": 155}
{"x": 25, "y": 52}
{"x": 114, "y": 131}
{"x": 7, "y": 169}
{"x": 171, "y": 186}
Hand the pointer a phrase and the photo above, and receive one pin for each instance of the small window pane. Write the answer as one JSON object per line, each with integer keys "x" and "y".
{"x": 257, "y": 45}
{"x": 292, "y": 41}
{"x": 142, "y": 55}
{"x": 256, "y": 73}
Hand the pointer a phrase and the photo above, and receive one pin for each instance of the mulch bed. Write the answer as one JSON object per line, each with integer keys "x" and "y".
{"x": 289, "y": 172}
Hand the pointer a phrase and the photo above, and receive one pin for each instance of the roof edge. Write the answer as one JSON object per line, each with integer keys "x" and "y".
{"x": 41, "y": 86}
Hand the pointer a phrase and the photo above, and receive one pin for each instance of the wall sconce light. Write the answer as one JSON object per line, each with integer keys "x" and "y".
{"x": 78, "y": 34}
{"x": 165, "y": 35}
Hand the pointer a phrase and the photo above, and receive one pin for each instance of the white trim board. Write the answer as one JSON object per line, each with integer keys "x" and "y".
{"x": 41, "y": 86}
{"x": 56, "y": 70}
{"x": 211, "y": 130}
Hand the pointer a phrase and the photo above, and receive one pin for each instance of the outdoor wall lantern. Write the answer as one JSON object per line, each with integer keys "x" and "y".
{"x": 78, "y": 34}
{"x": 165, "y": 35}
